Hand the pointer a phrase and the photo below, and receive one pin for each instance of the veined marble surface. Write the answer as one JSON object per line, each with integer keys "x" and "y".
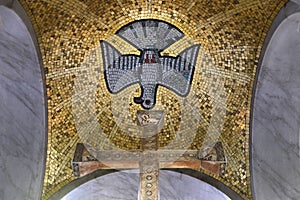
{"x": 22, "y": 109}
{"x": 124, "y": 185}
{"x": 276, "y": 117}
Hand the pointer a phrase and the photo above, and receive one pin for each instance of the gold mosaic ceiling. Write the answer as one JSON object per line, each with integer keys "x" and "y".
{"x": 81, "y": 109}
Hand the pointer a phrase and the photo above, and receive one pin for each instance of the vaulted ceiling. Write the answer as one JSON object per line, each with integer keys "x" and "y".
{"x": 217, "y": 107}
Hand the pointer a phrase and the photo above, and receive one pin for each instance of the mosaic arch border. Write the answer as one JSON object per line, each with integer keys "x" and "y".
{"x": 16, "y": 7}
{"x": 190, "y": 172}
{"x": 290, "y": 8}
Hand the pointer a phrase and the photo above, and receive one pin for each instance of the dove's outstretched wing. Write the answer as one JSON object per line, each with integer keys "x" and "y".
{"x": 154, "y": 33}
{"x": 178, "y": 72}
{"x": 120, "y": 70}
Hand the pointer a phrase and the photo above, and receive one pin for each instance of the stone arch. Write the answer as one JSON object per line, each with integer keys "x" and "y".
{"x": 23, "y": 106}
{"x": 215, "y": 185}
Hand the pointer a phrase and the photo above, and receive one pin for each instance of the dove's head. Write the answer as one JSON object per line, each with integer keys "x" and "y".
{"x": 147, "y": 98}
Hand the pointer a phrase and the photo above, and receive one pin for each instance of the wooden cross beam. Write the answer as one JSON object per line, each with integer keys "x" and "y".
{"x": 85, "y": 163}
{"x": 149, "y": 159}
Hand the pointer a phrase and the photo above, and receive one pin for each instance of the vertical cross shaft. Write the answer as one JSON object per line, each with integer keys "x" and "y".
{"x": 149, "y": 168}
{"x": 149, "y": 163}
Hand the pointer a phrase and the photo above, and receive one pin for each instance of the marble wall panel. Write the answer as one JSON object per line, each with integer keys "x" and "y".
{"x": 276, "y": 113}
{"x": 22, "y": 110}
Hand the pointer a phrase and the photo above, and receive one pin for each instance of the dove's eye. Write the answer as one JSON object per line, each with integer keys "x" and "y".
{"x": 148, "y": 102}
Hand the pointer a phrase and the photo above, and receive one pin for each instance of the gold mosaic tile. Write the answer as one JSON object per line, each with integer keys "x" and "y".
{"x": 231, "y": 35}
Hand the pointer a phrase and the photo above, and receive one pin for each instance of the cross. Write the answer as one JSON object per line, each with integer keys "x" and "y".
{"x": 149, "y": 159}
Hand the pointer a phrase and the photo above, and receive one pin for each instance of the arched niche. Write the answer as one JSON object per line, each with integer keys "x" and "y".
{"x": 22, "y": 107}
{"x": 275, "y": 123}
